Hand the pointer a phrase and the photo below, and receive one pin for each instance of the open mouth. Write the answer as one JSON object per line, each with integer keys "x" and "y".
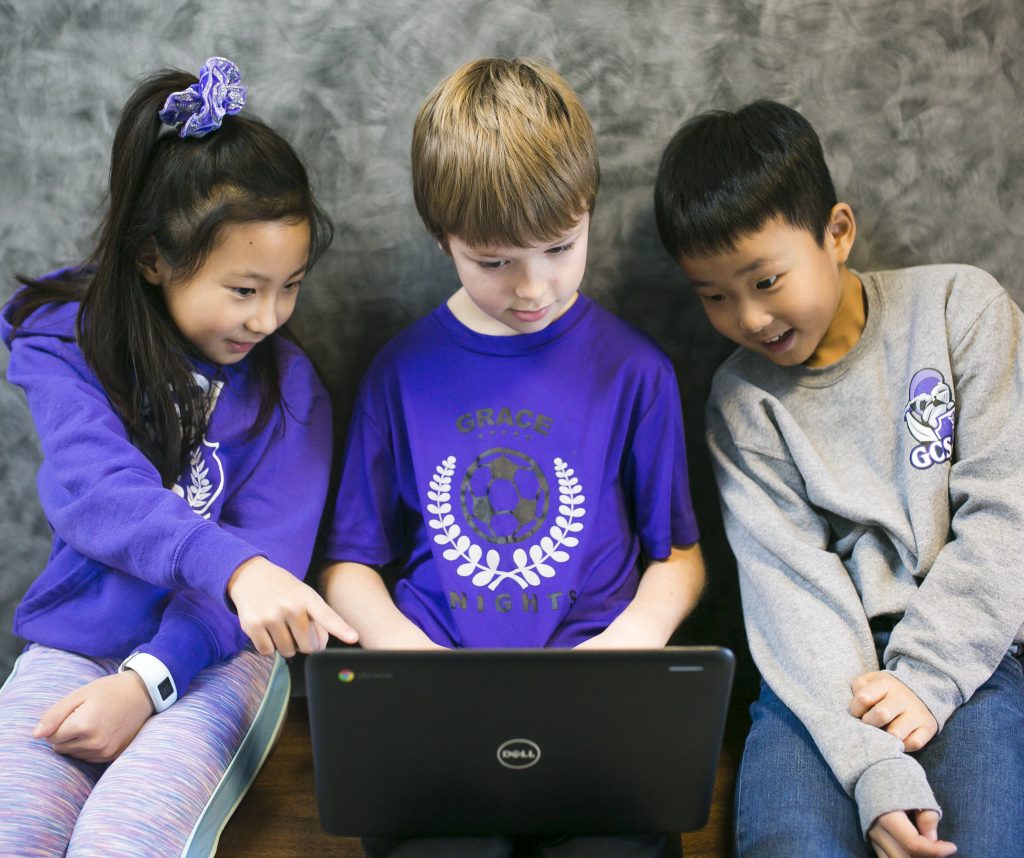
{"x": 779, "y": 343}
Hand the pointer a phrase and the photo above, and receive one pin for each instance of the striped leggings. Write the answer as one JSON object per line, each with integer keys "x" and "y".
{"x": 171, "y": 791}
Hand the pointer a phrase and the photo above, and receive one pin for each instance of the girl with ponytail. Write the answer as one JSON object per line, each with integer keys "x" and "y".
{"x": 187, "y": 446}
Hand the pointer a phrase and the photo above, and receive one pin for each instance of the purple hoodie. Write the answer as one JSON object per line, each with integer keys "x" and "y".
{"x": 139, "y": 567}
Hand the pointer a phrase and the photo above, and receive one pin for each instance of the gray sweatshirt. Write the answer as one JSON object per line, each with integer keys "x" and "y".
{"x": 887, "y": 483}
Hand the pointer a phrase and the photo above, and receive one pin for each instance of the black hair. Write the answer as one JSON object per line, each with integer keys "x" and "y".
{"x": 724, "y": 175}
{"x": 180, "y": 193}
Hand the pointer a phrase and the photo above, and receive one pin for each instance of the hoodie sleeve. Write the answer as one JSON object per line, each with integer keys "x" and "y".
{"x": 195, "y": 632}
{"x": 102, "y": 495}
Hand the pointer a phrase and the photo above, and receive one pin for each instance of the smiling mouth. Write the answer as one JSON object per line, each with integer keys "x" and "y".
{"x": 780, "y": 342}
{"x": 531, "y": 315}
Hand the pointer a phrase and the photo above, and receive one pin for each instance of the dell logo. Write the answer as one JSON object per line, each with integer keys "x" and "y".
{"x": 518, "y": 753}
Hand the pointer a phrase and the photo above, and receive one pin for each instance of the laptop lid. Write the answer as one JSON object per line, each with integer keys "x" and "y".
{"x": 477, "y": 742}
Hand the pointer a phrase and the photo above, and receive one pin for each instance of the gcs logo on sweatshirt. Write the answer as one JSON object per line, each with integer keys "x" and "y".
{"x": 930, "y": 417}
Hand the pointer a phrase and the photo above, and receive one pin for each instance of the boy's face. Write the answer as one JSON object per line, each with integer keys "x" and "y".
{"x": 780, "y": 294}
{"x": 518, "y": 290}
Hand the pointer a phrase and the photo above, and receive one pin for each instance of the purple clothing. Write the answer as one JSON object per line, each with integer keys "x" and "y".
{"x": 137, "y": 566}
{"x": 518, "y": 478}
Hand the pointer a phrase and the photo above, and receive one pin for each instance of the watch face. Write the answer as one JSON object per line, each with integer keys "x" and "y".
{"x": 165, "y": 688}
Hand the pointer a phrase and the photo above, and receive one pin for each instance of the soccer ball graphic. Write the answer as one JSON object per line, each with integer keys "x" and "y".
{"x": 505, "y": 496}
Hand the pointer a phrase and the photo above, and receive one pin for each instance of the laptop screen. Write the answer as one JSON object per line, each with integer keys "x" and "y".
{"x": 476, "y": 742}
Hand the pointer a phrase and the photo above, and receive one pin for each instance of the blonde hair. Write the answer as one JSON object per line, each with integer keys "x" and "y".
{"x": 503, "y": 153}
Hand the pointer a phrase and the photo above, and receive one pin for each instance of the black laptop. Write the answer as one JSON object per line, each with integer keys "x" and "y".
{"x": 477, "y": 742}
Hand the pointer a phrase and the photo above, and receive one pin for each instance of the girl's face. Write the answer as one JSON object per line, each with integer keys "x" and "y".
{"x": 245, "y": 290}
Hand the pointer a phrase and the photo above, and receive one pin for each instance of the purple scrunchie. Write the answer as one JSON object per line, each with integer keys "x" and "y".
{"x": 203, "y": 105}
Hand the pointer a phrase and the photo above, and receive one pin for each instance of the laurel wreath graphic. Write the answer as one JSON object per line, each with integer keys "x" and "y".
{"x": 199, "y": 492}
{"x": 530, "y": 566}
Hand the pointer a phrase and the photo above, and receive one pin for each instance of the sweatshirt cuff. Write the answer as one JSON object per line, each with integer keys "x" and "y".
{"x": 890, "y": 785}
{"x": 184, "y": 647}
{"x": 935, "y": 689}
{"x": 207, "y": 559}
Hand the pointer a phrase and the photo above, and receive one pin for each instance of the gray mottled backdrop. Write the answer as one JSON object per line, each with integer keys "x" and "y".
{"x": 917, "y": 102}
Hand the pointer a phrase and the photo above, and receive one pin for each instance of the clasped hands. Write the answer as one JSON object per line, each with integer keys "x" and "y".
{"x": 881, "y": 700}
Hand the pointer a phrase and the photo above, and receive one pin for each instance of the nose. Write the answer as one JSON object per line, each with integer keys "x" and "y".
{"x": 531, "y": 285}
{"x": 753, "y": 318}
{"x": 263, "y": 319}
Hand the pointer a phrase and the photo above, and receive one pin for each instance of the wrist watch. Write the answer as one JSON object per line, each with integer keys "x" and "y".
{"x": 155, "y": 676}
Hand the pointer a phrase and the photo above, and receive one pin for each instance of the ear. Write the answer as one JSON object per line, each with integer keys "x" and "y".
{"x": 443, "y": 244}
{"x": 841, "y": 231}
{"x": 150, "y": 264}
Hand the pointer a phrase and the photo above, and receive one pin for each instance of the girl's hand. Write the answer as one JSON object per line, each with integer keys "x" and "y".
{"x": 881, "y": 700}
{"x": 277, "y": 611}
{"x": 913, "y": 834}
{"x": 96, "y": 722}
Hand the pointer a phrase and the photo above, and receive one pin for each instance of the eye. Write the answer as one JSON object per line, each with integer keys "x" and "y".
{"x": 767, "y": 282}
{"x": 243, "y": 291}
{"x": 493, "y": 265}
{"x": 293, "y": 286}
{"x": 710, "y": 299}
{"x": 562, "y": 248}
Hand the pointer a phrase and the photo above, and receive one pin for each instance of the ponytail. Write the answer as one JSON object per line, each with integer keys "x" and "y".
{"x": 123, "y": 327}
{"x": 180, "y": 193}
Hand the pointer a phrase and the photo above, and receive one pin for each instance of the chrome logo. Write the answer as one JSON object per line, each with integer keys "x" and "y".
{"x": 346, "y": 675}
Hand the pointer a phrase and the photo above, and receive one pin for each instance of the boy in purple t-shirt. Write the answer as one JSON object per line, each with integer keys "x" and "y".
{"x": 520, "y": 450}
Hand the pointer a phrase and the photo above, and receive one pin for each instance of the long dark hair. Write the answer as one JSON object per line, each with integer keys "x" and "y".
{"x": 180, "y": 194}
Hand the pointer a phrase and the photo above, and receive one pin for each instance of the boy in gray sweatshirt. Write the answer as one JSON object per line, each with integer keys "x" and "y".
{"x": 867, "y": 439}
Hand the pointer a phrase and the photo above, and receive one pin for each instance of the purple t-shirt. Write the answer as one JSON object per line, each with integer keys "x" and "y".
{"x": 517, "y": 478}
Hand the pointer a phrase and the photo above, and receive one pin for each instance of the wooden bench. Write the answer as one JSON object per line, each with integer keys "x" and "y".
{"x": 278, "y": 817}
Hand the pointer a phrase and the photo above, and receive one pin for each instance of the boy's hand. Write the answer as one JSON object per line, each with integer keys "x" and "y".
{"x": 406, "y": 644}
{"x": 278, "y": 611}
{"x": 361, "y": 593}
{"x": 913, "y": 834}
{"x": 96, "y": 722}
{"x": 668, "y": 591}
{"x": 881, "y": 700}
{"x": 624, "y": 635}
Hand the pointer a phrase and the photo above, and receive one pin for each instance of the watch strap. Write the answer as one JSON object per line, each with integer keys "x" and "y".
{"x": 155, "y": 676}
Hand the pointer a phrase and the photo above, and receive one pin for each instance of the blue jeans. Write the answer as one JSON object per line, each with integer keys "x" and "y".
{"x": 789, "y": 803}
